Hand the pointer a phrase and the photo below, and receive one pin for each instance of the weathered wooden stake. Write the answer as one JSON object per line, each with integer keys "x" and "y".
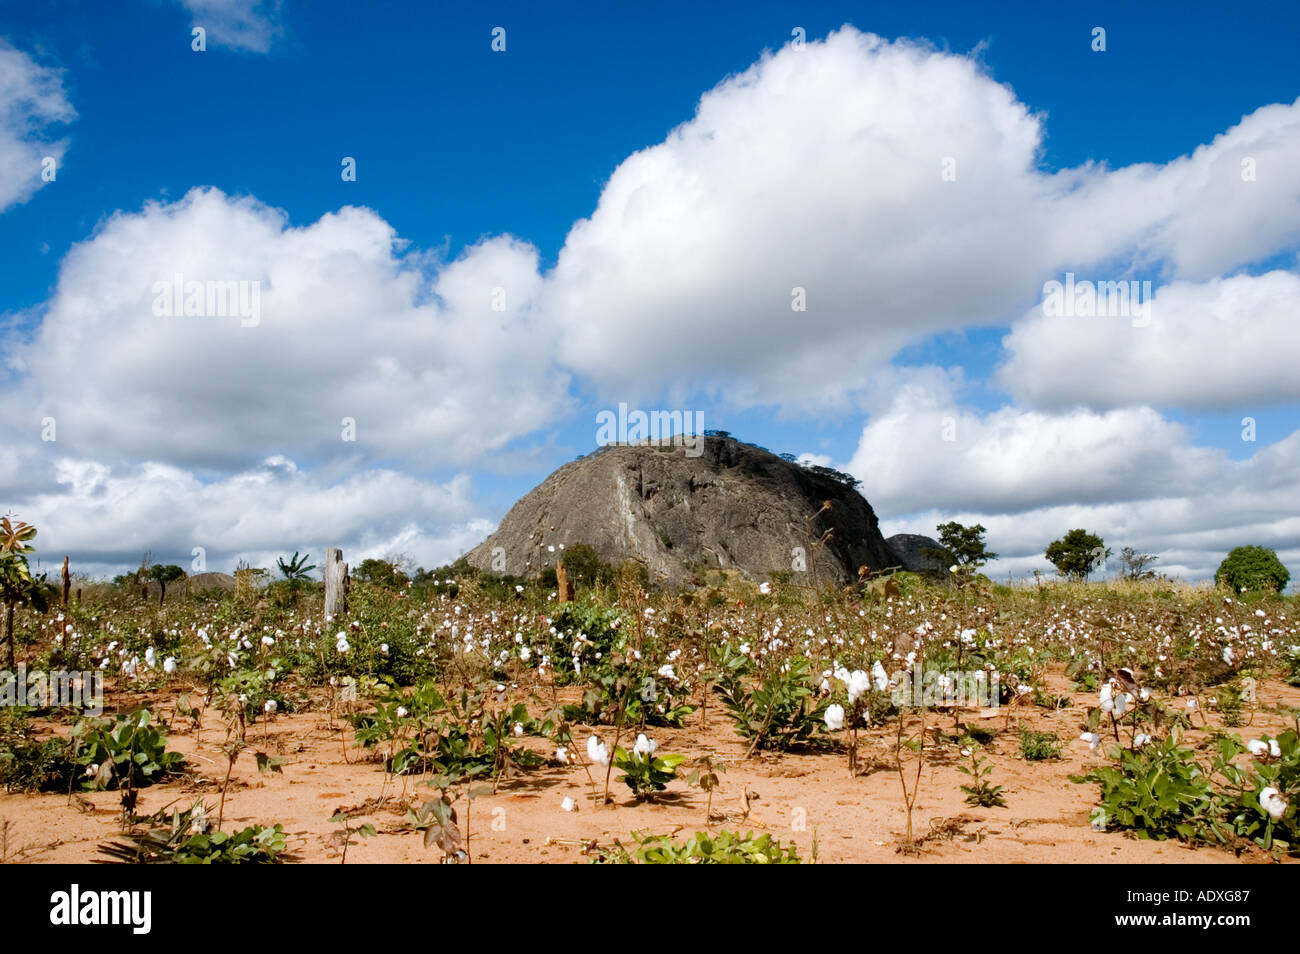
{"x": 564, "y": 586}
{"x": 337, "y": 583}
{"x": 67, "y": 581}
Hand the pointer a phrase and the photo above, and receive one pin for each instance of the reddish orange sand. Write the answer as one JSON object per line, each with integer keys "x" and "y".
{"x": 791, "y": 796}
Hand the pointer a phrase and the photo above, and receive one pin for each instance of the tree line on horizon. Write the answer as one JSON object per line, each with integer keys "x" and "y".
{"x": 1079, "y": 553}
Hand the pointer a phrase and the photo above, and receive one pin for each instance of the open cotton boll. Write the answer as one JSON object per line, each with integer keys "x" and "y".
{"x": 858, "y": 683}
{"x": 597, "y": 751}
{"x": 645, "y": 746}
{"x": 834, "y": 717}
{"x": 1271, "y": 800}
{"x": 568, "y": 804}
{"x": 879, "y": 678}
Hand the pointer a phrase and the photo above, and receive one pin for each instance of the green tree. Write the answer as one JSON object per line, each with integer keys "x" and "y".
{"x": 962, "y": 547}
{"x": 17, "y": 588}
{"x": 1137, "y": 565}
{"x": 163, "y": 574}
{"x": 1252, "y": 568}
{"x": 297, "y": 568}
{"x": 1077, "y": 554}
{"x": 583, "y": 565}
{"x": 381, "y": 572}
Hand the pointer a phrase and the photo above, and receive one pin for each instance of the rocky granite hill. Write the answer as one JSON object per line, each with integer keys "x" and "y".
{"x": 911, "y": 547}
{"x": 734, "y": 507}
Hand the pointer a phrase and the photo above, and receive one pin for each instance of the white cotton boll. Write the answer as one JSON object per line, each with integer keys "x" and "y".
{"x": 834, "y": 717}
{"x": 519, "y": 730}
{"x": 169, "y": 665}
{"x": 562, "y": 755}
{"x": 1271, "y": 800}
{"x": 568, "y": 804}
{"x": 645, "y": 746}
{"x": 1257, "y": 748}
{"x": 597, "y": 751}
{"x": 879, "y": 678}
{"x": 858, "y": 682}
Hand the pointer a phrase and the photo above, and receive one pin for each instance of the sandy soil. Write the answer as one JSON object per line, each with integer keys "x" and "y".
{"x": 792, "y": 796}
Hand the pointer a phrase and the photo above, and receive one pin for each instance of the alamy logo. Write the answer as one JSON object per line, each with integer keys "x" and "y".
{"x": 61, "y": 688}
{"x": 664, "y": 428}
{"x": 176, "y": 298}
{"x": 1085, "y": 299}
{"x": 73, "y": 907}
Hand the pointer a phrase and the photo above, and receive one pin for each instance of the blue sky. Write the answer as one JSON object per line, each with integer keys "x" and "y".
{"x": 458, "y": 146}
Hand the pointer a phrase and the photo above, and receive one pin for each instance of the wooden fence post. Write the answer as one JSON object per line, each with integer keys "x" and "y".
{"x": 336, "y": 583}
{"x": 564, "y": 585}
{"x": 67, "y": 581}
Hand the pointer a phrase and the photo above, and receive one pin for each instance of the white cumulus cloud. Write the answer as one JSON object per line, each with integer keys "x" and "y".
{"x": 32, "y": 103}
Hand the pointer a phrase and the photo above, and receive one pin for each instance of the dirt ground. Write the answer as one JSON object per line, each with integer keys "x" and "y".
{"x": 792, "y": 796}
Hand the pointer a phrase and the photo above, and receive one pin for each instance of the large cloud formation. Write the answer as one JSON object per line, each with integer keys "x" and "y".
{"x": 900, "y": 187}
{"x": 346, "y": 329}
{"x": 1128, "y": 474}
{"x": 1225, "y": 343}
{"x": 824, "y": 168}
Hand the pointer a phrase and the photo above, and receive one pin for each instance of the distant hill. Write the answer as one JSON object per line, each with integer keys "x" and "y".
{"x": 735, "y": 507}
{"x": 911, "y": 548}
{"x": 201, "y": 582}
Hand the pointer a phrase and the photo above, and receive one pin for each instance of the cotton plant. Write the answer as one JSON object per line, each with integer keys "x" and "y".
{"x": 645, "y": 771}
{"x": 1268, "y": 792}
{"x": 856, "y": 688}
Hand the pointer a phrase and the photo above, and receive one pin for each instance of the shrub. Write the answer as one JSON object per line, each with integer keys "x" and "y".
{"x": 124, "y": 753}
{"x": 596, "y": 627}
{"x": 1039, "y": 746}
{"x": 185, "y": 839}
{"x": 726, "y": 848}
{"x": 781, "y": 711}
{"x": 646, "y": 773}
{"x": 1280, "y": 772}
{"x": 1252, "y": 568}
{"x": 28, "y": 765}
{"x": 1158, "y": 792}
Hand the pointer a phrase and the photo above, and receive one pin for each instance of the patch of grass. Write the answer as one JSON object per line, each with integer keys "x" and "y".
{"x": 1039, "y": 746}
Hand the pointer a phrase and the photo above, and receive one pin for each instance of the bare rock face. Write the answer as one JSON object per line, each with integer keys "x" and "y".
{"x": 735, "y": 507}
{"x": 911, "y": 548}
